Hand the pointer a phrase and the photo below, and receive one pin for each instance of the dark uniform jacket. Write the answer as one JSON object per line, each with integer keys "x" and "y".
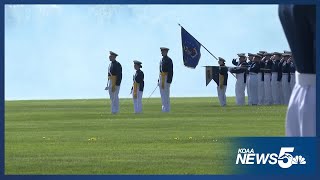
{"x": 262, "y": 65}
{"x": 276, "y": 67}
{"x": 254, "y": 67}
{"x": 167, "y": 66}
{"x": 139, "y": 78}
{"x": 286, "y": 67}
{"x": 239, "y": 64}
{"x": 240, "y": 70}
{"x": 268, "y": 65}
{"x": 292, "y": 67}
{"x": 115, "y": 69}
{"x": 286, "y": 70}
{"x": 299, "y": 25}
{"x": 223, "y": 70}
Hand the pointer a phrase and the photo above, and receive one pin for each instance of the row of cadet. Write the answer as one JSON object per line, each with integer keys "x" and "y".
{"x": 115, "y": 78}
{"x": 268, "y": 77}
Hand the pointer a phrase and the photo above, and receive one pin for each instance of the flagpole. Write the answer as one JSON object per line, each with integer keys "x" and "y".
{"x": 200, "y": 44}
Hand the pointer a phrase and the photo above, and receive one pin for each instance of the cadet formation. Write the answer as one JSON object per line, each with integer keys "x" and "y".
{"x": 115, "y": 77}
{"x": 268, "y": 77}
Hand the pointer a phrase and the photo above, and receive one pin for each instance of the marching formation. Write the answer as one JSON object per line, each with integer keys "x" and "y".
{"x": 268, "y": 77}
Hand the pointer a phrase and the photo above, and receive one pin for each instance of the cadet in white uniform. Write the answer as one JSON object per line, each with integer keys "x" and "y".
{"x": 286, "y": 78}
{"x": 261, "y": 79}
{"x": 241, "y": 76}
{"x": 281, "y": 88}
{"x": 253, "y": 79}
{"x": 299, "y": 25}
{"x": 165, "y": 79}
{"x": 276, "y": 78}
{"x": 223, "y": 79}
{"x": 114, "y": 81}
{"x": 267, "y": 79}
{"x": 137, "y": 88}
{"x": 292, "y": 73}
{"x": 250, "y": 58}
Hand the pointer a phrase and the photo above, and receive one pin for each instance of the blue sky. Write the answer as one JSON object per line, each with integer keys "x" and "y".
{"x": 61, "y": 51}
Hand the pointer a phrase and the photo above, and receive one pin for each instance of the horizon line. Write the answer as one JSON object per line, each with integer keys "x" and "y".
{"x": 108, "y": 98}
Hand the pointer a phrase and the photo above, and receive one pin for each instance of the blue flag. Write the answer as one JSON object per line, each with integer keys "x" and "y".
{"x": 190, "y": 49}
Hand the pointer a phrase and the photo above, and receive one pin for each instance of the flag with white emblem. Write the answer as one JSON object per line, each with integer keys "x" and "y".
{"x": 190, "y": 49}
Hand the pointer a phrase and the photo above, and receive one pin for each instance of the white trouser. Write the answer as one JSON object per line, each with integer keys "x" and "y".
{"x": 285, "y": 88}
{"x": 267, "y": 89}
{"x": 253, "y": 88}
{"x": 301, "y": 114}
{"x": 222, "y": 95}
{"x": 281, "y": 95}
{"x": 240, "y": 89}
{"x": 260, "y": 89}
{"x": 165, "y": 94}
{"x": 275, "y": 85}
{"x": 292, "y": 81}
{"x": 137, "y": 102}
{"x": 248, "y": 91}
{"x": 114, "y": 98}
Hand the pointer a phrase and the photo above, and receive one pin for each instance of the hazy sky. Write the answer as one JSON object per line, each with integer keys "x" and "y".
{"x": 61, "y": 51}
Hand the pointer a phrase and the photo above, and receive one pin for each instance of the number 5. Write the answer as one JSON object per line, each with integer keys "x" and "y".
{"x": 284, "y": 154}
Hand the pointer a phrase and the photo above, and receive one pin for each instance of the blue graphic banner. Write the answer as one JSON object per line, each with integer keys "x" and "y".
{"x": 274, "y": 156}
{"x": 190, "y": 49}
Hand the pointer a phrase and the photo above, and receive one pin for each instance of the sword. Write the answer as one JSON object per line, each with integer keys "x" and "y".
{"x": 153, "y": 91}
{"x": 107, "y": 88}
{"x": 233, "y": 75}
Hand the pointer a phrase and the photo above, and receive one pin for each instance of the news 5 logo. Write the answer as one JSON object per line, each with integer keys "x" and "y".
{"x": 284, "y": 159}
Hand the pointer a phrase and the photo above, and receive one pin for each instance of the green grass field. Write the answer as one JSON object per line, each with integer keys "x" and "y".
{"x": 54, "y": 137}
